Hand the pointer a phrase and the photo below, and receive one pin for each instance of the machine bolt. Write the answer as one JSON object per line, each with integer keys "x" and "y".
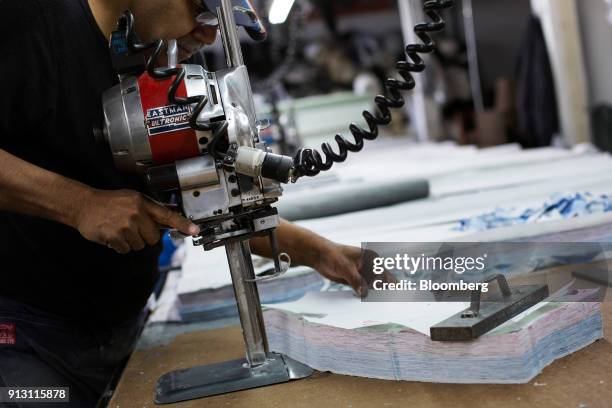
{"x": 235, "y": 192}
{"x": 232, "y": 178}
{"x": 203, "y": 141}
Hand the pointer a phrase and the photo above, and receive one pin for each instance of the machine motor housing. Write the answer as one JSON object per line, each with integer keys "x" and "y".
{"x": 153, "y": 137}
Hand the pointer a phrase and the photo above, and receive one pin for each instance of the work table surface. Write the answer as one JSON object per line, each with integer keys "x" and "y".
{"x": 581, "y": 380}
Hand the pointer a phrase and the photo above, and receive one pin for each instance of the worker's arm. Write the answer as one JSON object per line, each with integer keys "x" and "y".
{"x": 339, "y": 263}
{"x": 123, "y": 220}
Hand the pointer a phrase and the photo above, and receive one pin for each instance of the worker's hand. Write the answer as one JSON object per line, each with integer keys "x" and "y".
{"x": 351, "y": 266}
{"x": 126, "y": 220}
{"x": 341, "y": 264}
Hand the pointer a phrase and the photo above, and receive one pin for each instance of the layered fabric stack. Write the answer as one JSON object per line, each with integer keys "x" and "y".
{"x": 337, "y": 332}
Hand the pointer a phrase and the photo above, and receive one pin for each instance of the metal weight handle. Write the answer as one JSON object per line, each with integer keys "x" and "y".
{"x": 477, "y": 294}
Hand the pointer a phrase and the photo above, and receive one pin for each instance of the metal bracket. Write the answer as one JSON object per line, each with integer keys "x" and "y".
{"x": 482, "y": 317}
{"x": 282, "y": 261}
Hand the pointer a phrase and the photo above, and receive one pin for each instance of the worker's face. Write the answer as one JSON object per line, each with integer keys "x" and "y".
{"x": 172, "y": 19}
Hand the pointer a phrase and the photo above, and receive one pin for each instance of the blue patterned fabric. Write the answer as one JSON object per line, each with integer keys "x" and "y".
{"x": 560, "y": 207}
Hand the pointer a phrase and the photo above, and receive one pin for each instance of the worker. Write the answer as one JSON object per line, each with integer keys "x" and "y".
{"x": 79, "y": 242}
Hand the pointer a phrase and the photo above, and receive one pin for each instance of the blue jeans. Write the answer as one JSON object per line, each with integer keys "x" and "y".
{"x": 41, "y": 350}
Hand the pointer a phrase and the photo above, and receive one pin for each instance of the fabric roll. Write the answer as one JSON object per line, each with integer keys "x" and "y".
{"x": 319, "y": 203}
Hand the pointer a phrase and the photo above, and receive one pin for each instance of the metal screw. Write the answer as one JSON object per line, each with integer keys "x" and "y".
{"x": 232, "y": 179}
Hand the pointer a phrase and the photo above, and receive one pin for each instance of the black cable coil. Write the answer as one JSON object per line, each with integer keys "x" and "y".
{"x": 127, "y": 22}
{"x": 309, "y": 162}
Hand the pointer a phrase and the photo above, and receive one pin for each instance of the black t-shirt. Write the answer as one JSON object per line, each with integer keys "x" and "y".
{"x": 54, "y": 67}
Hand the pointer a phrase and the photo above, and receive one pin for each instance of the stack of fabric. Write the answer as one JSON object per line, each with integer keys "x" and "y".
{"x": 337, "y": 332}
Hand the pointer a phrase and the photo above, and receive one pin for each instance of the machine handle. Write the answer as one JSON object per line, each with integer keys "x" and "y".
{"x": 476, "y": 295}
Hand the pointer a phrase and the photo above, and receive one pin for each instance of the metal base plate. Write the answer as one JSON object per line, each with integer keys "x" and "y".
{"x": 229, "y": 376}
{"x": 493, "y": 312}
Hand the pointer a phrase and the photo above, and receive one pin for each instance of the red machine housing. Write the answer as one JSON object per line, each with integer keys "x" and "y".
{"x": 170, "y": 136}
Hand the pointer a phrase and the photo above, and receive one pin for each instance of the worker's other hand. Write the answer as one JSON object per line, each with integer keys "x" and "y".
{"x": 341, "y": 264}
{"x": 345, "y": 264}
{"x": 125, "y": 220}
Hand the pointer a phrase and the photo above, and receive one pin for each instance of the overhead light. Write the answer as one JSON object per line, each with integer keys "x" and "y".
{"x": 279, "y": 10}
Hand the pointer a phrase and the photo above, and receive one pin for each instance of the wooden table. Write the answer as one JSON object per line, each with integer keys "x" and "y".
{"x": 583, "y": 380}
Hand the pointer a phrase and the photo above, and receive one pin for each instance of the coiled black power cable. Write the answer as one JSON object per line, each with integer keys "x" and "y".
{"x": 309, "y": 162}
{"x": 127, "y": 22}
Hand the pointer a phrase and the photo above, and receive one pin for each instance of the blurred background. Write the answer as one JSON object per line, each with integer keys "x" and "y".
{"x": 533, "y": 72}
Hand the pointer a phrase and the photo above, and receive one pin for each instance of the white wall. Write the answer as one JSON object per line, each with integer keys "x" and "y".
{"x": 563, "y": 37}
{"x": 597, "y": 40}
